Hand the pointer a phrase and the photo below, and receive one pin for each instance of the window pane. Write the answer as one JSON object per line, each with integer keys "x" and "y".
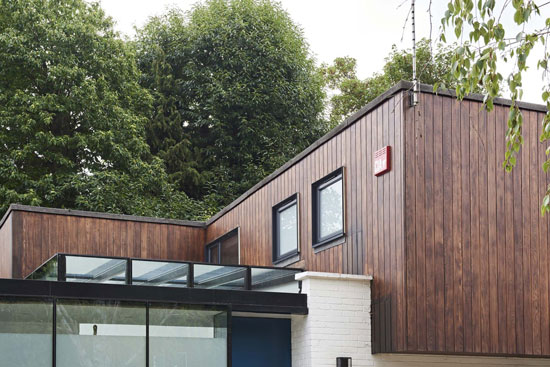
{"x": 330, "y": 205}
{"x": 95, "y": 269}
{"x": 47, "y": 271}
{"x": 106, "y": 334}
{"x": 181, "y": 336}
{"x": 288, "y": 230}
{"x": 230, "y": 250}
{"x": 25, "y": 333}
{"x": 213, "y": 254}
{"x": 159, "y": 273}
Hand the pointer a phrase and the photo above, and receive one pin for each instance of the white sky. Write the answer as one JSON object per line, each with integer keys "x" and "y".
{"x": 363, "y": 29}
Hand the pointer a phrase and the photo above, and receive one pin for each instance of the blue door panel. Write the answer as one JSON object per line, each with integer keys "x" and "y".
{"x": 260, "y": 342}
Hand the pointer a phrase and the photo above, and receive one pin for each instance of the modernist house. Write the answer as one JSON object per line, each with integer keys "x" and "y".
{"x": 395, "y": 240}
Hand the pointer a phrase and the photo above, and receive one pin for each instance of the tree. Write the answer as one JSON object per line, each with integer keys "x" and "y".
{"x": 475, "y": 64}
{"x": 72, "y": 115}
{"x": 353, "y": 93}
{"x": 236, "y": 94}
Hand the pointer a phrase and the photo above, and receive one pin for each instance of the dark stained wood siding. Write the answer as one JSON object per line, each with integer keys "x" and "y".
{"x": 41, "y": 235}
{"x": 373, "y": 214}
{"x": 457, "y": 247}
{"x": 6, "y": 236}
{"x": 476, "y": 245}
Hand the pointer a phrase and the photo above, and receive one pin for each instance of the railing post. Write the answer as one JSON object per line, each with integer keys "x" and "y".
{"x": 190, "y": 275}
{"x": 61, "y": 268}
{"x": 129, "y": 271}
{"x": 248, "y": 279}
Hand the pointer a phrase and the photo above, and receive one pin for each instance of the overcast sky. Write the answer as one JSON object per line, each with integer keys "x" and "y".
{"x": 363, "y": 29}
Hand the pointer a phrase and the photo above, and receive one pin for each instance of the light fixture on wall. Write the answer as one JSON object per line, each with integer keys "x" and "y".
{"x": 343, "y": 361}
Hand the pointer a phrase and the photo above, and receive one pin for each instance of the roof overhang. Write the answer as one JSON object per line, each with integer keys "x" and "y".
{"x": 240, "y": 301}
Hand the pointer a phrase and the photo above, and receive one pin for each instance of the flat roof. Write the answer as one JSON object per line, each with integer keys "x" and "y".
{"x": 90, "y": 214}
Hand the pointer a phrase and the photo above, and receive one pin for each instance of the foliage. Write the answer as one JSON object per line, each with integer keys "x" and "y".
{"x": 353, "y": 93}
{"x": 235, "y": 91}
{"x": 72, "y": 115}
{"x": 476, "y": 62}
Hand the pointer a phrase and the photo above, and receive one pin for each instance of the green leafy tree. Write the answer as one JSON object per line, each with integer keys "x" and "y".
{"x": 476, "y": 63}
{"x": 236, "y": 94}
{"x": 72, "y": 115}
{"x": 351, "y": 93}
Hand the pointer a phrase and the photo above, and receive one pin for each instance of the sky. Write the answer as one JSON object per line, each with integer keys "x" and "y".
{"x": 363, "y": 29}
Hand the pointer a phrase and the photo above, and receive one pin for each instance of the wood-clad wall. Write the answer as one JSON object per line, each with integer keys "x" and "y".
{"x": 477, "y": 256}
{"x": 374, "y": 213}
{"x": 40, "y": 236}
{"x": 6, "y": 249}
{"x": 457, "y": 247}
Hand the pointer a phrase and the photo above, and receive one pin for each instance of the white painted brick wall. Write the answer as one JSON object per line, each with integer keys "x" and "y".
{"x": 338, "y": 323}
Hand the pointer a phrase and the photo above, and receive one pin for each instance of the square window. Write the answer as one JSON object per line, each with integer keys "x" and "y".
{"x": 328, "y": 208}
{"x": 285, "y": 229}
{"x": 224, "y": 250}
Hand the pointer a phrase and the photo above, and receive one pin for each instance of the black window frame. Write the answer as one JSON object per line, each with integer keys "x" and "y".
{"x": 218, "y": 241}
{"x": 316, "y": 188}
{"x": 275, "y": 211}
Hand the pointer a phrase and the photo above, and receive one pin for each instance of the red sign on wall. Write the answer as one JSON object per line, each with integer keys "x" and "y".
{"x": 382, "y": 161}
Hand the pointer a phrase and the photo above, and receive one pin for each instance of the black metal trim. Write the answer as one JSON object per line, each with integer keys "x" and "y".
{"x": 129, "y": 275}
{"x": 229, "y": 336}
{"x": 54, "y": 333}
{"x": 240, "y": 300}
{"x": 191, "y": 275}
{"x": 147, "y": 305}
{"x": 248, "y": 279}
{"x": 316, "y": 187}
{"x": 62, "y": 267}
{"x": 161, "y": 260}
{"x": 275, "y": 210}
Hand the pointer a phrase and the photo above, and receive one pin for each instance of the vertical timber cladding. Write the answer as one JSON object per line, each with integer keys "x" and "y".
{"x": 373, "y": 212}
{"x": 6, "y": 236}
{"x": 477, "y": 277}
{"x": 39, "y": 235}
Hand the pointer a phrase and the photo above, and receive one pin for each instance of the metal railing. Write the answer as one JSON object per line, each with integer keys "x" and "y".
{"x": 166, "y": 273}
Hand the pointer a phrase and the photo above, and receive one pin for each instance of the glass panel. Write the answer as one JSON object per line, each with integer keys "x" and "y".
{"x": 106, "y": 334}
{"x": 230, "y": 250}
{"x": 159, "y": 273}
{"x": 275, "y": 280}
{"x": 25, "y": 333}
{"x": 219, "y": 277}
{"x": 330, "y": 206}
{"x": 181, "y": 336}
{"x": 288, "y": 230}
{"x": 213, "y": 254}
{"x": 47, "y": 271}
{"x": 95, "y": 269}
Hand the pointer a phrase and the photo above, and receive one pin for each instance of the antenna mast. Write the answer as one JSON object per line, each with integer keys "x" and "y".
{"x": 414, "y": 101}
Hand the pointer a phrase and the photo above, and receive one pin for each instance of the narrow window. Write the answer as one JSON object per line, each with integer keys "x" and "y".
{"x": 285, "y": 229}
{"x": 224, "y": 250}
{"x": 328, "y": 208}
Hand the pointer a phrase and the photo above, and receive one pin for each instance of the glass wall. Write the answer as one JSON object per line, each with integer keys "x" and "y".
{"x": 25, "y": 333}
{"x": 183, "y": 336}
{"x": 100, "y": 333}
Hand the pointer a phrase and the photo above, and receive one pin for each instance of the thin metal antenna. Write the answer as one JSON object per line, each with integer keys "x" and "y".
{"x": 414, "y": 100}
